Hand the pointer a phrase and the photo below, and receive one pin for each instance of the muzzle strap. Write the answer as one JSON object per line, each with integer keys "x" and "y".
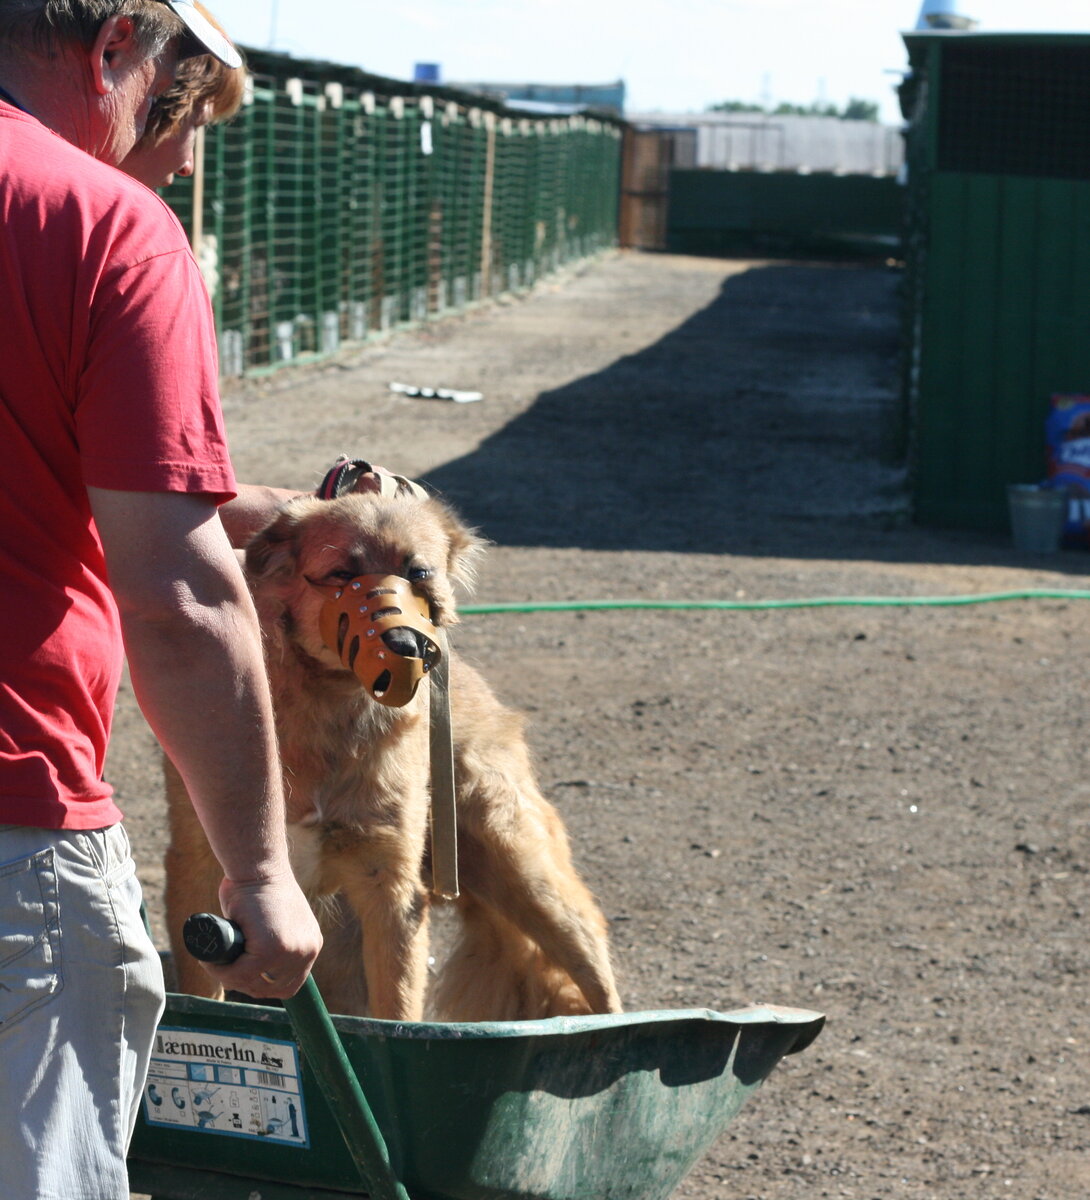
{"x": 345, "y": 474}
{"x": 444, "y": 817}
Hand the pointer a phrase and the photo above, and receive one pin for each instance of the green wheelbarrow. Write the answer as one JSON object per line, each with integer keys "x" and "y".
{"x": 259, "y": 1103}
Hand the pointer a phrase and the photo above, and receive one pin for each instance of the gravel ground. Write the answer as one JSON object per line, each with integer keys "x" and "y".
{"x": 877, "y": 811}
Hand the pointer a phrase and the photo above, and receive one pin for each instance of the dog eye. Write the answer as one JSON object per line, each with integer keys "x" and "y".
{"x": 419, "y": 574}
{"x": 341, "y": 576}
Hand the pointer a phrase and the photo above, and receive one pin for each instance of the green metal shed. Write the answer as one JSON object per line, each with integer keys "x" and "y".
{"x": 997, "y": 290}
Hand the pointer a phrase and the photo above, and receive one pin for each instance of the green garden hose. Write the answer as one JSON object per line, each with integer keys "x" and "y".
{"x": 752, "y": 605}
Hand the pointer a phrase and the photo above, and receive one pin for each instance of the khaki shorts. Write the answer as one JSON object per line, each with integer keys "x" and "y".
{"x": 81, "y": 992}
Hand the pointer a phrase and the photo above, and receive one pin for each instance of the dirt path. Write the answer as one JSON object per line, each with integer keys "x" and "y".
{"x": 879, "y": 812}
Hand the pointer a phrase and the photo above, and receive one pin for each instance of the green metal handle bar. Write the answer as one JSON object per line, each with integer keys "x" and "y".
{"x": 362, "y": 1136}
{"x": 212, "y": 939}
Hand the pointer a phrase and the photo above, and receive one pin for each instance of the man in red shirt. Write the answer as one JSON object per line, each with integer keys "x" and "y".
{"x": 113, "y": 467}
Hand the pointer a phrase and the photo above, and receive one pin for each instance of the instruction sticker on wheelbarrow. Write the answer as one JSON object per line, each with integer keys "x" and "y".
{"x": 222, "y": 1083}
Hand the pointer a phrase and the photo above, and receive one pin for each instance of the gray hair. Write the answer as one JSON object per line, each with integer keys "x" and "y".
{"x": 46, "y": 25}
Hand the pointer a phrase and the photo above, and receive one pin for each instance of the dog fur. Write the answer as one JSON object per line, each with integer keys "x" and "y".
{"x": 532, "y": 942}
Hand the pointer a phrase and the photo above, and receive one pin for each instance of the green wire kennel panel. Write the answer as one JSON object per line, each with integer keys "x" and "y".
{"x": 330, "y": 209}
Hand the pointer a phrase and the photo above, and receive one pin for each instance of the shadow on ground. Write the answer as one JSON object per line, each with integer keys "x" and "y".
{"x": 767, "y": 424}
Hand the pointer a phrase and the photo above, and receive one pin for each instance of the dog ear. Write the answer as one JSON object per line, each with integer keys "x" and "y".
{"x": 271, "y": 553}
{"x": 466, "y": 548}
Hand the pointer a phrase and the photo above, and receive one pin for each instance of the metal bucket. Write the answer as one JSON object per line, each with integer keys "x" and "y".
{"x": 1037, "y": 517}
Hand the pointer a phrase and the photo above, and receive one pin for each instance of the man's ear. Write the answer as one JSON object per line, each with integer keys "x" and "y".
{"x": 113, "y": 52}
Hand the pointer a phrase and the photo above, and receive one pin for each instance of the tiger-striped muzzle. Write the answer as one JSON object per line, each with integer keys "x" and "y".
{"x": 382, "y": 631}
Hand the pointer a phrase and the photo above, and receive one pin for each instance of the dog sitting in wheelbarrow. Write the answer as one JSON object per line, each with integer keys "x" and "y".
{"x": 353, "y": 593}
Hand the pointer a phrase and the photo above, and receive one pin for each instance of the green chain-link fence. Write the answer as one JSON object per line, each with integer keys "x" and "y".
{"x": 338, "y": 204}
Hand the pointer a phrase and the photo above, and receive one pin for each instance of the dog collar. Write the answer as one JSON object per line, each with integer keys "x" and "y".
{"x": 359, "y": 621}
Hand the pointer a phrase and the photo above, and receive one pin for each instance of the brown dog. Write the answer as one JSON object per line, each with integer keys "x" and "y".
{"x": 532, "y": 941}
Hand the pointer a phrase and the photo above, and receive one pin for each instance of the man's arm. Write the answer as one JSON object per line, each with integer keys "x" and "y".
{"x": 251, "y": 510}
{"x": 256, "y": 505}
{"x": 194, "y": 654}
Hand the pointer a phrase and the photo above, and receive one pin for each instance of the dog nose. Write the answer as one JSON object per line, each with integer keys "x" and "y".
{"x": 411, "y": 643}
{"x": 407, "y": 644}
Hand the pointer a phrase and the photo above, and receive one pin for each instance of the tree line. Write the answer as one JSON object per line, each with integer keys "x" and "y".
{"x": 854, "y": 110}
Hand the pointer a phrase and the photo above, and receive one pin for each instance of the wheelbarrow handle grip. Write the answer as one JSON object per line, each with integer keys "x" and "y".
{"x": 213, "y": 939}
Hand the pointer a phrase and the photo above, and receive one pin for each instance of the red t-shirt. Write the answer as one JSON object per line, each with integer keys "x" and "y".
{"x": 108, "y": 379}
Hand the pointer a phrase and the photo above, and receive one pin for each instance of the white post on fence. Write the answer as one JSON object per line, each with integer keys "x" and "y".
{"x": 486, "y": 215}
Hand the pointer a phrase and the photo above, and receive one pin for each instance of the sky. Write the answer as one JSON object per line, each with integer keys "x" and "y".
{"x": 675, "y": 56}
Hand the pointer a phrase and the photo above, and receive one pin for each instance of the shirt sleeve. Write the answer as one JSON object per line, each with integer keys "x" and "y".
{"x": 148, "y": 415}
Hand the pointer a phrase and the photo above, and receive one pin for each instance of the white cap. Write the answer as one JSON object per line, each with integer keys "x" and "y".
{"x": 205, "y": 33}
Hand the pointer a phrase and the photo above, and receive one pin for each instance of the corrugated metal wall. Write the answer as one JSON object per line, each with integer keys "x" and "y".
{"x": 997, "y": 315}
{"x": 337, "y": 204}
{"x": 763, "y": 142}
{"x": 1005, "y": 323}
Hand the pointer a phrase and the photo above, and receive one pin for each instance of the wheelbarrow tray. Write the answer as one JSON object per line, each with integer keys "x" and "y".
{"x": 562, "y": 1109}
